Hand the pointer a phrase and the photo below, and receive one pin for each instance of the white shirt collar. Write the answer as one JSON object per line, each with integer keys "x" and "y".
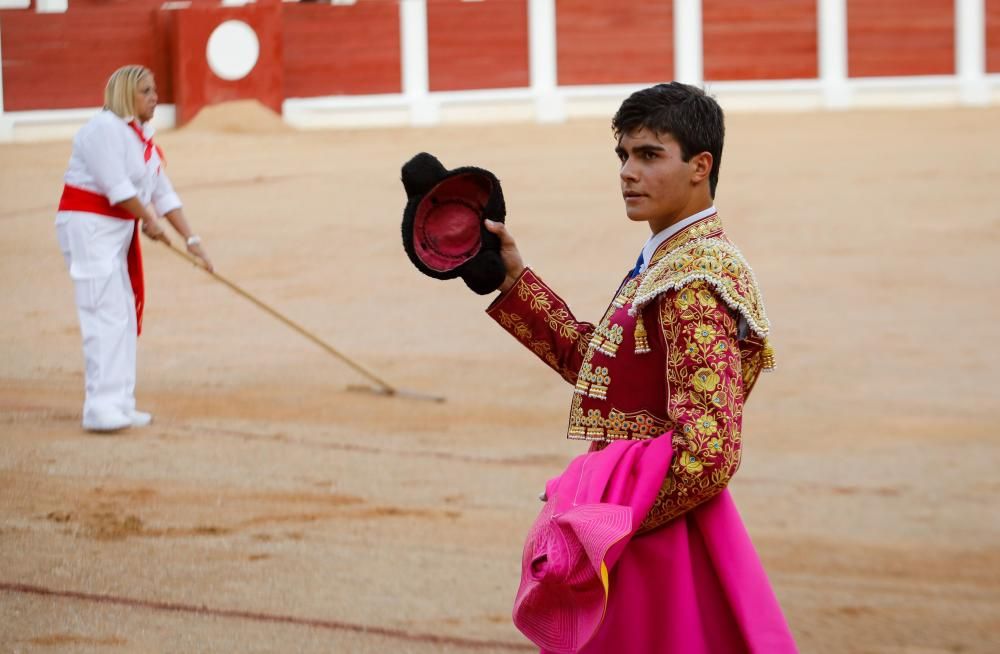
{"x": 147, "y": 128}
{"x": 656, "y": 240}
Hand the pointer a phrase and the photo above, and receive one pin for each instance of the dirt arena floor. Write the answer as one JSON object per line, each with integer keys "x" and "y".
{"x": 267, "y": 509}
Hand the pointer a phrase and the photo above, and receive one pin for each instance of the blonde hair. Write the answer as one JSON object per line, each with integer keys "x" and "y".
{"x": 119, "y": 94}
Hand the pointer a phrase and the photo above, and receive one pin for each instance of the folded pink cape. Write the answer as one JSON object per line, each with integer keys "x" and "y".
{"x": 694, "y": 585}
{"x": 593, "y": 509}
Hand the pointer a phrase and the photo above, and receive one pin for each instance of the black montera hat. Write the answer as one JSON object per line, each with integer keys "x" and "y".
{"x": 443, "y": 230}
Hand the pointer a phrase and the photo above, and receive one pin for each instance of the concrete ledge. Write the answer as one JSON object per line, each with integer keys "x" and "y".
{"x": 522, "y": 105}
{"x": 61, "y": 124}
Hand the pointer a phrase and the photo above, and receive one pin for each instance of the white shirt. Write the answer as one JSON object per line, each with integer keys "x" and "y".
{"x": 108, "y": 159}
{"x": 657, "y": 239}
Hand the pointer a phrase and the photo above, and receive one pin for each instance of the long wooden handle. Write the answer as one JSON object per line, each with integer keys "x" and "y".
{"x": 384, "y": 387}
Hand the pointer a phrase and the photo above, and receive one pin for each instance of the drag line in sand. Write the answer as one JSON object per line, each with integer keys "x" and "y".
{"x": 236, "y": 614}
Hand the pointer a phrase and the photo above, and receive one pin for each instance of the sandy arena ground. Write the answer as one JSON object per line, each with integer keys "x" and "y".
{"x": 269, "y": 510}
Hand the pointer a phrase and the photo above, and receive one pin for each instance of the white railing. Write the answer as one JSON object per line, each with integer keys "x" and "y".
{"x": 543, "y": 100}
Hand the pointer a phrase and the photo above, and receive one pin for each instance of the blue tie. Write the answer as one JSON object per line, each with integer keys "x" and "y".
{"x": 638, "y": 266}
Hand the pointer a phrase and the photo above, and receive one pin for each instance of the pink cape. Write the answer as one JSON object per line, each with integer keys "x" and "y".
{"x": 694, "y": 586}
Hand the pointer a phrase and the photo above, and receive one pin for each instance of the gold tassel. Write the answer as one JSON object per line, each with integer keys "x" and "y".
{"x": 599, "y": 389}
{"x": 767, "y": 356}
{"x": 583, "y": 380}
{"x": 641, "y": 342}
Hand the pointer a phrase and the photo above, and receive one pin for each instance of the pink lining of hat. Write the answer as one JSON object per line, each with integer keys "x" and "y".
{"x": 446, "y": 226}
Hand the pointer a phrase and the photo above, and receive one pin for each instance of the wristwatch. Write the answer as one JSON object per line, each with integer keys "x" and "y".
{"x": 194, "y": 239}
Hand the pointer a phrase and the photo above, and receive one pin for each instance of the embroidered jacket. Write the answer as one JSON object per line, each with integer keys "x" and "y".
{"x": 679, "y": 349}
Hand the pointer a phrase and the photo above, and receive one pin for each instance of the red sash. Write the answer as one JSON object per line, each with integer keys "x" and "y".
{"x": 78, "y": 199}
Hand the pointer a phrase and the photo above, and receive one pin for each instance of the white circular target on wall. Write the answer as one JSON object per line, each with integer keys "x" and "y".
{"x": 232, "y": 50}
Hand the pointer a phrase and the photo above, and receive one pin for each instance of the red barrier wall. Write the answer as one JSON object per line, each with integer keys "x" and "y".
{"x": 900, "y": 37}
{"x": 763, "y": 39}
{"x": 117, "y": 5}
{"x": 54, "y": 61}
{"x": 341, "y": 50}
{"x": 614, "y": 42}
{"x": 329, "y": 50}
{"x": 477, "y": 45}
{"x": 63, "y": 61}
{"x": 196, "y": 86}
{"x": 993, "y": 36}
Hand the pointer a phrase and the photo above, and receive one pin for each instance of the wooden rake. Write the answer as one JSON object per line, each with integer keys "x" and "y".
{"x": 381, "y": 387}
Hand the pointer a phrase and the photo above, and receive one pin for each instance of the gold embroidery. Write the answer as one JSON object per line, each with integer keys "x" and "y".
{"x": 600, "y": 380}
{"x": 716, "y": 262}
{"x": 701, "y": 229}
{"x": 543, "y": 350}
{"x": 767, "y": 356}
{"x": 583, "y": 379}
{"x": 539, "y": 299}
{"x": 706, "y": 398}
{"x": 547, "y": 313}
{"x": 595, "y": 424}
{"x": 577, "y": 427}
{"x": 586, "y": 375}
{"x": 593, "y": 382}
{"x": 754, "y": 358}
{"x": 710, "y": 226}
{"x": 626, "y": 293}
{"x": 607, "y": 339}
{"x": 706, "y": 380}
{"x": 641, "y": 340}
{"x": 520, "y": 329}
{"x": 514, "y": 324}
{"x": 618, "y": 425}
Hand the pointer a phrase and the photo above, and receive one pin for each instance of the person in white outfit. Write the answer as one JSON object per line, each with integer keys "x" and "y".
{"x": 115, "y": 172}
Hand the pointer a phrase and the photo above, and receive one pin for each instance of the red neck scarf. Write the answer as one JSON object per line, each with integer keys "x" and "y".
{"x": 147, "y": 142}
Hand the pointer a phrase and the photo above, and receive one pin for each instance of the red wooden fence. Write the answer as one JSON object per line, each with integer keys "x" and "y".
{"x": 477, "y": 45}
{"x": 53, "y": 61}
{"x": 341, "y": 50}
{"x": 993, "y": 36}
{"x": 614, "y": 42}
{"x": 900, "y": 37}
{"x": 763, "y": 39}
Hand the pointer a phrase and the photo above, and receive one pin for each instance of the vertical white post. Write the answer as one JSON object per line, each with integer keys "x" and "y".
{"x": 542, "y": 57}
{"x": 413, "y": 50}
{"x": 970, "y": 50}
{"x": 51, "y": 6}
{"x": 688, "y": 66}
{"x": 832, "y": 36}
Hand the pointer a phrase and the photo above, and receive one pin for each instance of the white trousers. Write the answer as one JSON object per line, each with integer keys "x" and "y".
{"x": 95, "y": 248}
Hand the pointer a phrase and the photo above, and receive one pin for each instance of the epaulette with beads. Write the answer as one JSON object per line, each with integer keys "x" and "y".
{"x": 718, "y": 263}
